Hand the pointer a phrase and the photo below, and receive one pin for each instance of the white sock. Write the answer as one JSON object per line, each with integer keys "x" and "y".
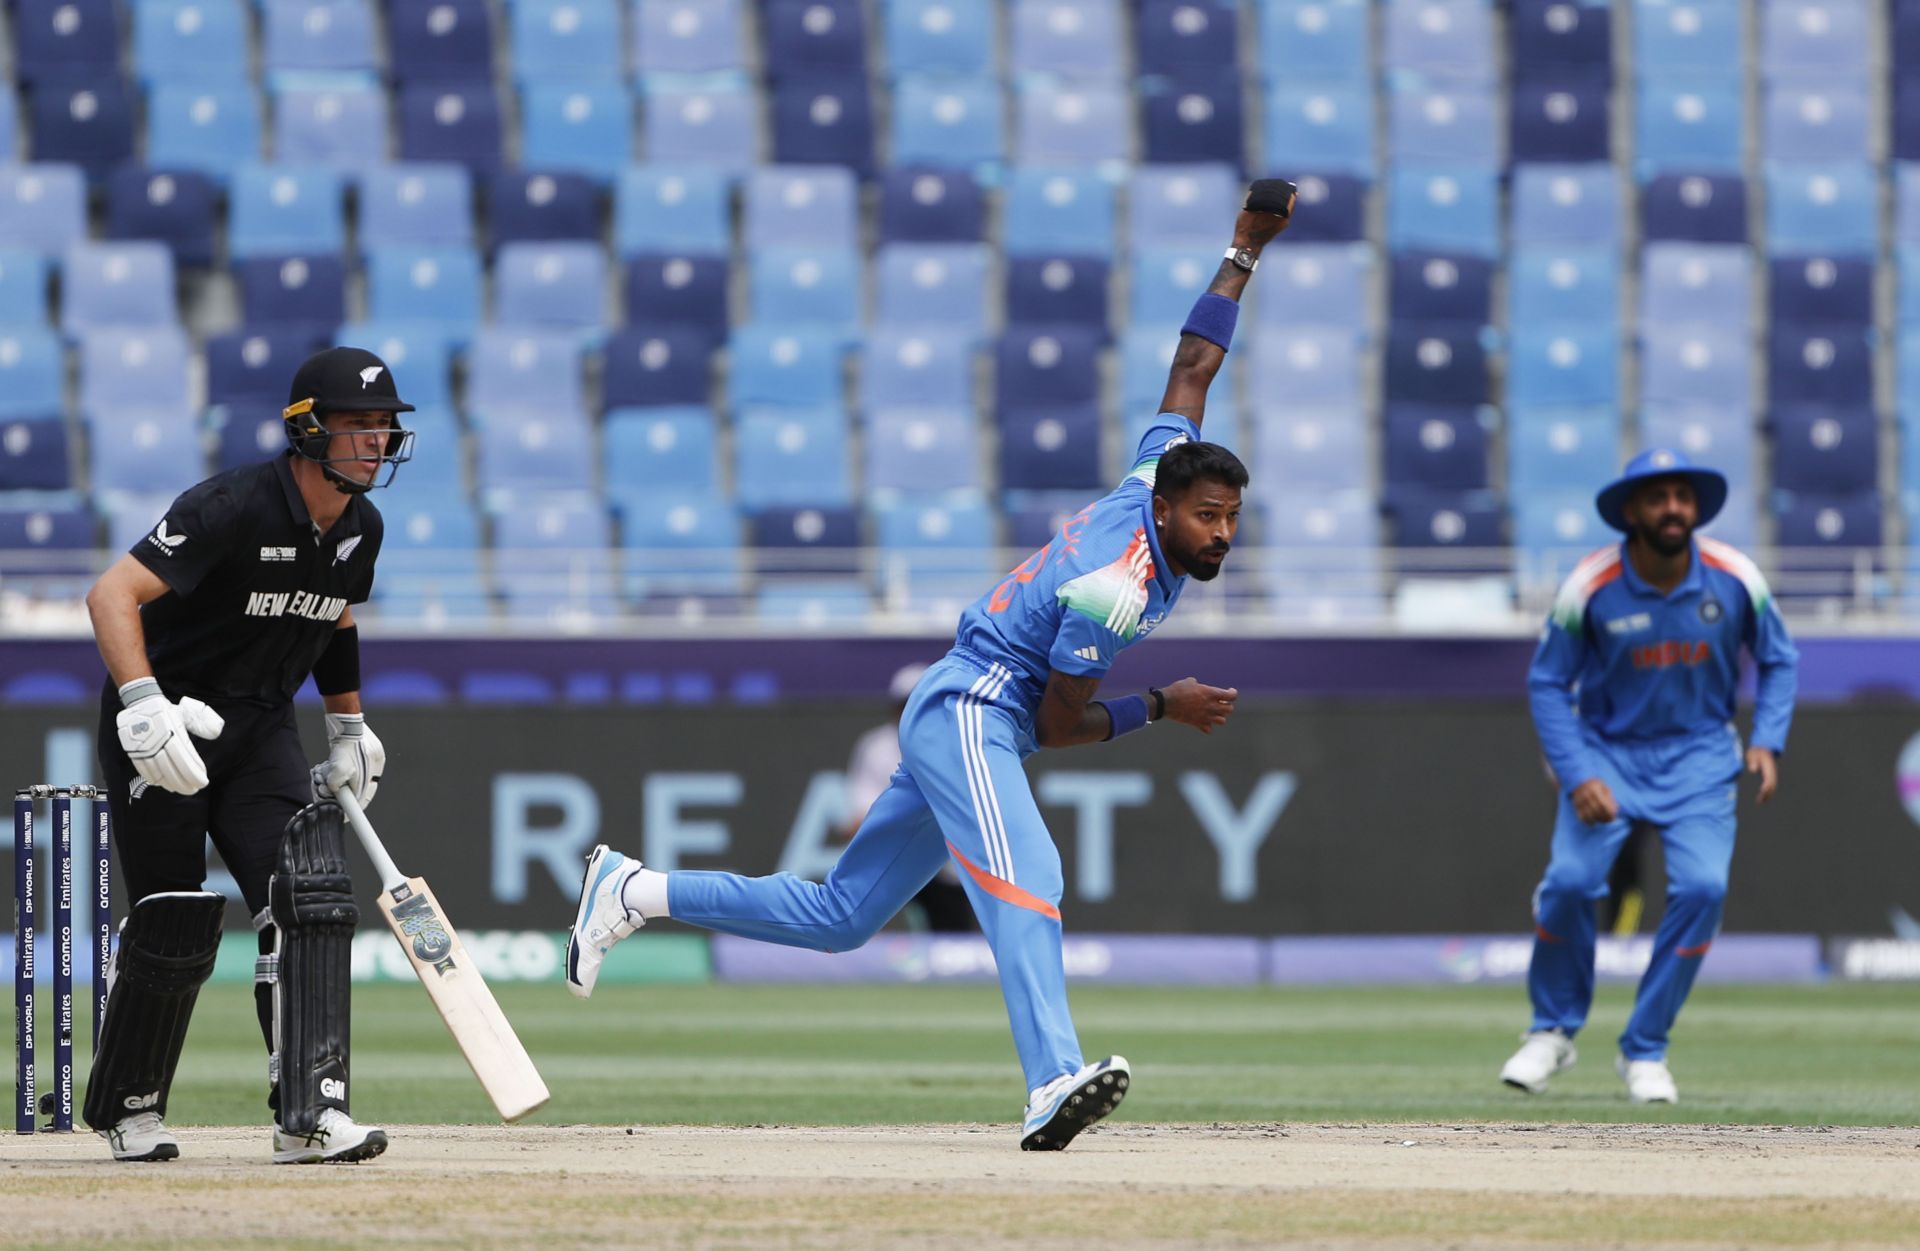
{"x": 646, "y": 893}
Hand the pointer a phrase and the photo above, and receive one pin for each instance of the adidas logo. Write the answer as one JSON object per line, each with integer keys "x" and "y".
{"x": 1088, "y": 652}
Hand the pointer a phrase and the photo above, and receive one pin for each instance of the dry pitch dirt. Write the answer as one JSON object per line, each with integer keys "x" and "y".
{"x": 1333, "y": 1186}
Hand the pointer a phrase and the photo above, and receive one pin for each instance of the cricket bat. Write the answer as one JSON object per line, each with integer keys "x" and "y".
{"x": 452, "y": 980}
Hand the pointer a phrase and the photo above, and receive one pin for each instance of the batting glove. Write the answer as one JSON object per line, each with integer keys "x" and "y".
{"x": 154, "y": 733}
{"x": 355, "y": 759}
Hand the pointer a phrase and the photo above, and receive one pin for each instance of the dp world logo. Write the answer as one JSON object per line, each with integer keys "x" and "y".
{"x": 1907, "y": 776}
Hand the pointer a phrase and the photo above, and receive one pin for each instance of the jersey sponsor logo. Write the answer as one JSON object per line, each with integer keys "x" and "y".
{"x": 346, "y": 548}
{"x": 296, "y": 604}
{"x": 1671, "y": 655}
{"x": 278, "y": 553}
{"x": 162, "y": 541}
{"x": 1631, "y": 624}
{"x": 1149, "y": 623}
{"x": 368, "y": 374}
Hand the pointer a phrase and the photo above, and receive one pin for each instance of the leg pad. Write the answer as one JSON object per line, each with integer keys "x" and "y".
{"x": 310, "y": 900}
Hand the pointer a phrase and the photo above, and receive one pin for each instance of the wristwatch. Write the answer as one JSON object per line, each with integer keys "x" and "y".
{"x": 1243, "y": 257}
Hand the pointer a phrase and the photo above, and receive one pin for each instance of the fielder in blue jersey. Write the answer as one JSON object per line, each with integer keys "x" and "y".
{"x": 1025, "y": 665}
{"x": 1633, "y": 691}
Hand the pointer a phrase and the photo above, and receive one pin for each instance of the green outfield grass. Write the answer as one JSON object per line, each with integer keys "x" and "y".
{"x": 1837, "y": 1054}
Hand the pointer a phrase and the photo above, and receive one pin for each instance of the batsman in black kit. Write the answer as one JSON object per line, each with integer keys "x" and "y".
{"x": 208, "y": 626}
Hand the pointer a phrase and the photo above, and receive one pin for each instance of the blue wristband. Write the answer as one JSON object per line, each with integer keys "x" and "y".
{"x": 1213, "y": 319}
{"x": 1126, "y": 715}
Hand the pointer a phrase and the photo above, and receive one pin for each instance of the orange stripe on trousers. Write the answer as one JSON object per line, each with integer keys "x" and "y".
{"x": 1004, "y": 891}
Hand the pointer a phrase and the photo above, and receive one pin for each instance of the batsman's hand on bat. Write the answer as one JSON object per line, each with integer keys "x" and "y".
{"x": 1192, "y": 702}
{"x": 154, "y": 732}
{"x": 355, "y": 759}
{"x": 1593, "y": 802}
{"x": 1762, "y": 761}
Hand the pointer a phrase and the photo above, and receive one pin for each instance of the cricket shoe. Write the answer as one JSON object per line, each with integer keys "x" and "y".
{"x": 1071, "y": 1102}
{"x": 141, "y": 1137}
{"x": 1648, "y": 1081}
{"x": 336, "y": 1139}
{"x": 603, "y": 918}
{"x": 1542, "y": 1053}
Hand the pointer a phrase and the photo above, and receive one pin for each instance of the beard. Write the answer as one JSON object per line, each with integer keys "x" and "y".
{"x": 1202, "y": 568}
{"x": 1657, "y": 538}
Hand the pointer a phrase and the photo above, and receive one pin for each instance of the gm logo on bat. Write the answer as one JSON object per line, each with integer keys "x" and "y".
{"x": 418, "y": 920}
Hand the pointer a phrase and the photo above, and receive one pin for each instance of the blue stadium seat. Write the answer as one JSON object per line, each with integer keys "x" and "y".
{"x": 1559, "y": 121}
{"x": 437, "y": 287}
{"x": 43, "y": 208}
{"x": 931, "y": 206}
{"x": 438, "y": 465}
{"x": 1566, "y": 366}
{"x": 33, "y": 372}
{"x": 527, "y": 451}
{"x": 1440, "y": 40}
{"x": 1447, "y": 127}
{"x": 343, "y": 129}
{"x": 1311, "y": 368}
{"x": 1044, "y": 368}
{"x": 316, "y": 42}
{"x": 130, "y": 515}
{"x": 1908, "y": 300}
{"x": 814, "y": 39}
{"x": 824, "y": 123}
{"x": 800, "y": 206}
{"x": 1906, "y": 212}
{"x": 1050, "y": 447}
{"x": 1322, "y": 450}
{"x": 88, "y": 123}
{"x": 420, "y": 354}
{"x": 716, "y": 126}
{"x": 1077, "y": 39}
{"x": 949, "y": 123}
{"x": 1687, "y": 38}
{"x": 511, "y": 372}
{"x": 251, "y": 368}
{"x": 64, "y": 40}
{"x": 1808, "y": 39}
{"x": 552, "y": 560}
{"x": 1906, "y": 119}
{"x": 659, "y": 208}
{"x": 1435, "y": 447}
{"x": 577, "y": 128}
{"x": 806, "y": 541}
{"x": 177, "y": 209}
{"x": 687, "y": 37}
{"x": 1330, "y": 283}
{"x": 1820, "y": 365}
{"x": 922, "y": 449}
{"x": 1431, "y": 287}
{"x": 1688, "y": 125}
{"x": 1058, "y": 291}
{"x": 116, "y": 284}
{"x": 1315, "y": 40}
{"x": 440, "y": 42}
{"x": 1695, "y": 208}
{"x": 212, "y": 129}
{"x": 564, "y": 42}
{"x": 654, "y": 367}
{"x": 1194, "y": 120}
{"x": 1828, "y": 450}
{"x": 1146, "y": 353}
{"x": 34, "y": 454}
{"x": 542, "y": 208}
{"x": 1819, "y": 124}
{"x": 282, "y": 210}
{"x": 1166, "y": 281}
{"x": 1554, "y": 41}
{"x": 679, "y": 541}
{"x": 1560, "y": 450}
{"x": 1035, "y": 517}
{"x": 909, "y": 368}
{"x": 1170, "y": 204}
{"x": 23, "y": 288}
{"x": 1549, "y": 286}
{"x": 1331, "y": 208}
{"x": 9, "y": 129}
{"x": 1445, "y": 212}
{"x": 416, "y": 206}
{"x": 143, "y": 447}
{"x": 932, "y": 284}
{"x": 1327, "y": 128}
{"x": 1906, "y": 33}
{"x": 795, "y": 366}
{"x": 430, "y": 560}
{"x": 1428, "y": 518}
{"x": 1435, "y": 365}
{"x": 1834, "y": 291}
{"x": 951, "y": 37}
{"x": 1184, "y": 39}
{"x": 1683, "y": 283}
{"x": 1711, "y": 433}
{"x": 29, "y": 532}
{"x": 1076, "y": 125}
{"x": 806, "y": 286}
{"x": 792, "y": 457}
{"x": 1559, "y": 525}
{"x": 1833, "y": 209}
{"x": 1829, "y": 521}
{"x": 293, "y": 291}
{"x": 665, "y": 448}
{"x": 455, "y": 122}
{"x": 1051, "y": 212}
{"x": 678, "y": 292}
{"x": 1697, "y": 365}
{"x": 557, "y": 286}
{"x": 813, "y": 603}
{"x": 932, "y": 550}
{"x": 247, "y": 438}
{"x": 1345, "y": 525}
{"x": 1577, "y": 204}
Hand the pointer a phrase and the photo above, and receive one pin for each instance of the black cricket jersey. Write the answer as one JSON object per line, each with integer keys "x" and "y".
{"x": 255, "y": 597}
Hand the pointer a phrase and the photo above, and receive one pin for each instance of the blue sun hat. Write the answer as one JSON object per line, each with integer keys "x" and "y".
{"x": 1709, "y": 485}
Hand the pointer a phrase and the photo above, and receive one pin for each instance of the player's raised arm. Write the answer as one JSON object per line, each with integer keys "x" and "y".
{"x": 1209, "y": 328}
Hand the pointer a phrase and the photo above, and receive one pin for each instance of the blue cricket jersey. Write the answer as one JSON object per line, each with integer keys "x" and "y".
{"x": 1621, "y": 662}
{"x": 1099, "y": 586}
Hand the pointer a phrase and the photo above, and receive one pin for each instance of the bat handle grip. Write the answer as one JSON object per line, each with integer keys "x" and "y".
{"x": 389, "y": 873}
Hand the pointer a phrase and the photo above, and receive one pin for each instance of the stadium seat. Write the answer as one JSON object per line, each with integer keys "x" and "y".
{"x": 806, "y": 286}
{"x": 1440, "y": 40}
{"x": 715, "y": 126}
{"x": 130, "y": 515}
{"x": 654, "y": 367}
{"x": 343, "y": 129}
{"x": 1333, "y": 280}
{"x": 1304, "y": 367}
{"x": 1906, "y": 212}
{"x": 1435, "y": 365}
{"x": 931, "y": 206}
{"x": 1687, "y": 125}
{"x": 1327, "y": 128}
{"x": 1046, "y": 368}
{"x": 1565, "y": 366}
{"x": 1050, "y": 447}
{"x": 430, "y": 561}
{"x": 1331, "y": 208}
{"x": 904, "y": 369}
{"x": 1194, "y": 120}
{"x": 1074, "y": 125}
{"x": 211, "y": 129}
{"x": 934, "y": 554}
{"x": 1551, "y": 286}
{"x": 440, "y": 42}
{"x": 1341, "y": 523}
{"x": 1694, "y": 208}
{"x": 1170, "y": 205}
{"x": 31, "y": 532}
{"x": 658, "y": 208}
{"x": 281, "y": 210}
{"x": 116, "y": 284}
{"x": 1444, "y": 212}
{"x": 1715, "y": 434}
{"x": 555, "y": 286}
{"x": 565, "y": 42}
{"x": 32, "y": 372}
{"x": 1429, "y": 288}
{"x": 542, "y": 208}
{"x": 814, "y": 39}
{"x": 1313, "y": 449}
{"x": 1696, "y": 365}
{"x": 247, "y": 437}
{"x": 88, "y": 124}
{"x": 9, "y": 129}
{"x": 1553, "y": 41}
{"x": 1446, "y": 127}
{"x": 1828, "y": 521}
{"x": 1056, "y": 212}
{"x": 532, "y": 451}
{"x": 1578, "y": 204}
{"x": 1820, "y": 365}
{"x": 800, "y": 206}
{"x": 1057, "y": 291}
{"x": 1425, "y": 517}
{"x": 806, "y": 541}
{"x": 512, "y": 372}
{"x": 1821, "y": 124}
{"x": 416, "y": 206}
{"x": 1553, "y": 528}
{"x": 1559, "y": 121}
{"x": 251, "y": 368}
{"x": 1825, "y": 450}
{"x": 1076, "y": 39}
{"x": 921, "y": 449}
{"x": 1165, "y": 282}
{"x": 552, "y": 561}
{"x": 577, "y": 128}
{"x": 792, "y": 457}
{"x": 678, "y": 292}
{"x": 435, "y": 287}
{"x": 1908, "y": 300}
{"x": 956, "y": 38}
{"x": 1808, "y": 39}
{"x": 1145, "y": 357}
{"x": 177, "y": 209}
{"x": 813, "y": 603}
{"x": 675, "y": 539}
{"x": 64, "y": 40}
{"x": 1831, "y": 291}
{"x": 455, "y": 122}
{"x": 1906, "y": 119}
{"x": 1183, "y": 39}
{"x": 785, "y": 365}
{"x": 293, "y": 291}
{"x": 823, "y": 123}
{"x": 420, "y": 354}
{"x": 687, "y": 37}
{"x": 1674, "y": 39}
{"x": 939, "y": 284}
{"x": 34, "y": 454}
{"x": 949, "y": 123}
{"x": 43, "y": 208}
{"x": 316, "y": 42}
{"x": 1686, "y": 284}
{"x": 144, "y": 447}
{"x": 1315, "y": 40}
{"x": 1434, "y": 447}
{"x": 1561, "y": 450}
{"x": 1832, "y": 209}
{"x": 663, "y": 448}
{"x": 23, "y": 288}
